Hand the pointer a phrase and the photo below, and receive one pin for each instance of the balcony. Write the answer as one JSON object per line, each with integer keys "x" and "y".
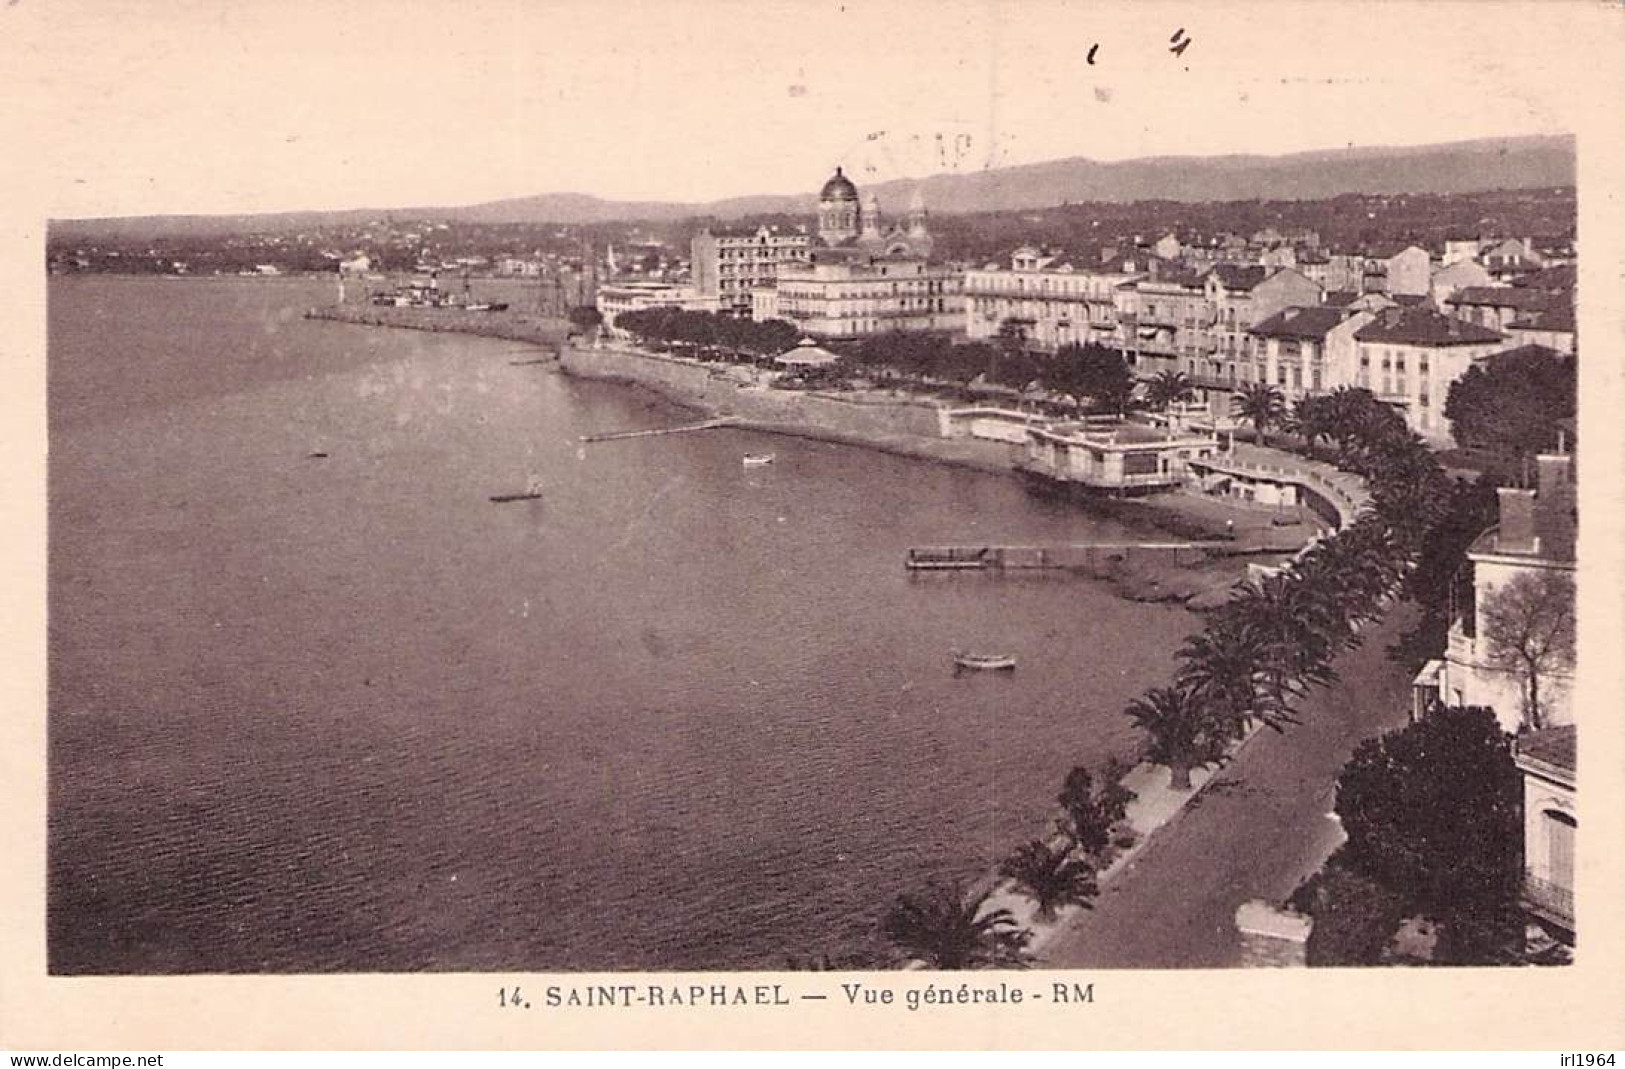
{"x": 1550, "y": 901}
{"x": 1208, "y": 380}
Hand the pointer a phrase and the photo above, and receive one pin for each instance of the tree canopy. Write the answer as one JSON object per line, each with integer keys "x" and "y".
{"x": 947, "y": 930}
{"x": 1434, "y": 813}
{"x": 1511, "y": 404}
{"x": 1529, "y": 631}
{"x": 585, "y": 317}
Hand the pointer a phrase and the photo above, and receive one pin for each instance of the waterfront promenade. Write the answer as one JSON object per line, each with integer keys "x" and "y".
{"x": 1257, "y": 830}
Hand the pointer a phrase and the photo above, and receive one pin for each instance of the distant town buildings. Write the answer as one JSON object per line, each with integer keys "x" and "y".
{"x": 617, "y": 298}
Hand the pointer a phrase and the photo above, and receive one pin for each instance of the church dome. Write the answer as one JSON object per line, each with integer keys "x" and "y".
{"x": 839, "y": 187}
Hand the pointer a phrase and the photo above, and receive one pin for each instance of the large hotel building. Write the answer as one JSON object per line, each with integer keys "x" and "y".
{"x": 729, "y": 264}
{"x": 853, "y": 278}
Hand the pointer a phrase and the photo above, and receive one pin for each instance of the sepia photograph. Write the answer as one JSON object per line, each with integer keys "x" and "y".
{"x": 585, "y": 495}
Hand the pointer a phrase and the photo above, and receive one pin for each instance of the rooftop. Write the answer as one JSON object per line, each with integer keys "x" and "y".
{"x": 1551, "y": 746}
{"x": 1301, "y": 322}
{"x": 1530, "y": 351}
{"x": 1423, "y": 326}
{"x": 1239, "y": 276}
{"x": 755, "y": 231}
{"x": 1558, "y": 319}
{"x": 839, "y": 187}
{"x": 1550, "y": 278}
{"x": 1501, "y": 297}
{"x": 1174, "y": 276}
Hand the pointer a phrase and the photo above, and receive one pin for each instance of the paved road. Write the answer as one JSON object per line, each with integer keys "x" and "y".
{"x": 1257, "y": 831}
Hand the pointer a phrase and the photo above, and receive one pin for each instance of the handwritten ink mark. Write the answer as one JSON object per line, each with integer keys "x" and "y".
{"x": 1092, "y": 50}
{"x": 1179, "y": 41}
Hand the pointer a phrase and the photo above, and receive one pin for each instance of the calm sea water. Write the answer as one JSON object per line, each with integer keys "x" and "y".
{"x": 345, "y": 714}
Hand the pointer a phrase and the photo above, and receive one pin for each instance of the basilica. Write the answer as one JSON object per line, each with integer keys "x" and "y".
{"x": 846, "y": 223}
{"x": 859, "y": 277}
{"x": 854, "y": 276}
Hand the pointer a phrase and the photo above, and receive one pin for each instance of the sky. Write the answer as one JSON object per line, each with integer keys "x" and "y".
{"x": 233, "y": 106}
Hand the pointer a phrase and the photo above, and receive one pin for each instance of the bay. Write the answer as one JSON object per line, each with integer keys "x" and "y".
{"x": 342, "y": 713}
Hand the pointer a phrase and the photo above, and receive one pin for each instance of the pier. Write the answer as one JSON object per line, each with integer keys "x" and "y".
{"x": 1076, "y": 556}
{"x": 618, "y": 436}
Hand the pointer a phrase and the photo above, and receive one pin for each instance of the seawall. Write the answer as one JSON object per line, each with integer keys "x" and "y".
{"x": 515, "y": 326}
{"x": 734, "y": 392}
{"x": 901, "y": 426}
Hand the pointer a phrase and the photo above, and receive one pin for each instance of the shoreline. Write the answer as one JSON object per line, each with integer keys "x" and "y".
{"x": 1176, "y": 513}
{"x": 1156, "y": 805}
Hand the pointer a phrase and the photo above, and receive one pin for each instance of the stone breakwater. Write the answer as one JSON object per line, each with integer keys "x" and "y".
{"x": 514, "y": 326}
{"x": 735, "y": 392}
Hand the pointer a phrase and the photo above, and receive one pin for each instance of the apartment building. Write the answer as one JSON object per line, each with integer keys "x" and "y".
{"x": 729, "y": 263}
{"x": 1054, "y": 299}
{"x": 1409, "y": 356}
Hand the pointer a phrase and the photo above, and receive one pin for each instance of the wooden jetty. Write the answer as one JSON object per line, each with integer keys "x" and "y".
{"x": 617, "y": 436}
{"x": 1079, "y": 556}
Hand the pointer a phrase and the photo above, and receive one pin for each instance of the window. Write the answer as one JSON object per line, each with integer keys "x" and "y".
{"x": 1560, "y": 829}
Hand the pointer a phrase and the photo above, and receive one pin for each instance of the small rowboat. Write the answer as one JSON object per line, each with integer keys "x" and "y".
{"x": 531, "y": 493}
{"x": 985, "y": 662}
{"x": 756, "y": 460}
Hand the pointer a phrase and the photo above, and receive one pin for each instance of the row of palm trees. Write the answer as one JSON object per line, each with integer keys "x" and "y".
{"x": 950, "y": 930}
{"x": 1257, "y": 657}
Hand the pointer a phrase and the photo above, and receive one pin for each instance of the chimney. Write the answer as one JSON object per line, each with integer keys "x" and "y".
{"x": 1517, "y": 533}
{"x": 1555, "y": 474}
{"x": 1555, "y": 505}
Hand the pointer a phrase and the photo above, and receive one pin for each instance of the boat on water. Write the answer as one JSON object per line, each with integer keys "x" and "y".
{"x": 532, "y": 492}
{"x": 756, "y": 460}
{"x": 984, "y": 662}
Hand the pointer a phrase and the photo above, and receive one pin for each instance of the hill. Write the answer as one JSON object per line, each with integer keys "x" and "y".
{"x": 1457, "y": 167}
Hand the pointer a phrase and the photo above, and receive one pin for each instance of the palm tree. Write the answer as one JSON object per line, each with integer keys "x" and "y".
{"x": 1180, "y": 732}
{"x": 1092, "y": 812}
{"x": 1358, "y": 568}
{"x": 1295, "y": 629}
{"x": 1262, "y": 404}
{"x": 1167, "y": 387}
{"x": 1052, "y": 876}
{"x": 1311, "y": 419}
{"x": 944, "y": 930}
{"x": 1221, "y": 668}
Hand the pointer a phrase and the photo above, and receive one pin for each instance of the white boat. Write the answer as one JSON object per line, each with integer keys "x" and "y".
{"x": 984, "y": 662}
{"x": 756, "y": 460}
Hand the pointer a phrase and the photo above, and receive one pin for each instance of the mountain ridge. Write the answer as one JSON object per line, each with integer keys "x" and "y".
{"x": 1450, "y": 167}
